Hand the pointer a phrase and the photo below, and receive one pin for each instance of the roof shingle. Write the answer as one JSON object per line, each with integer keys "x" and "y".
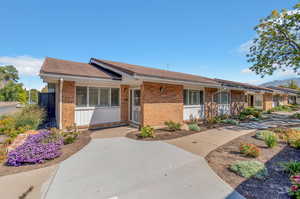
{"x": 153, "y": 72}
{"x": 64, "y": 67}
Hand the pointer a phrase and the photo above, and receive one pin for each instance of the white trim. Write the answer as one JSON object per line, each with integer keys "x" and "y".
{"x": 99, "y": 89}
{"x": 74, "y": 78}
{"x": 60, "y": 102}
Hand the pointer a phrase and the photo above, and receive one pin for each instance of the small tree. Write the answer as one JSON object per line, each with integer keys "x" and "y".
{"x": 277, "y": 45}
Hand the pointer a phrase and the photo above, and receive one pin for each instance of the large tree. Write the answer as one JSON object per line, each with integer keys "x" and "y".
{"x": 8, "y": 73}
{"x": 277, "y": 45}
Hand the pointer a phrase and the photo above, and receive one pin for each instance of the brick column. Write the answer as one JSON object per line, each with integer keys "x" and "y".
{"x": 268, "y": 101}
{"x": 124, "y": 103}
{"x": 285, "y": 100}
{"x": 68, "y": 104}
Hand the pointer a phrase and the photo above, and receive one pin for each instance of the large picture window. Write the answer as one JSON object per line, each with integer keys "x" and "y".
{"x": 192, "y": 97}
{"x": 97, "y": 97}
{"x": 221, "y": 97}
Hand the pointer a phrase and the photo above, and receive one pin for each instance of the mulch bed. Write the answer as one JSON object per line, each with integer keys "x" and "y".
{"x": 275, "y": 186}
{"x": 67, "y": 150}
{"x": 161, "y": 134}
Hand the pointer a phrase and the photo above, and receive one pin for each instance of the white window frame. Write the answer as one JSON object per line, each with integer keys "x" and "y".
{"x": 222, "y": 91}
{"x": 188, "y": 96}
{"x": 97, "y": 107}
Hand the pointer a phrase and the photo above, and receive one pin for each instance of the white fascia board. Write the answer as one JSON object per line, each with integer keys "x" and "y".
{"x": 55, "y": 77}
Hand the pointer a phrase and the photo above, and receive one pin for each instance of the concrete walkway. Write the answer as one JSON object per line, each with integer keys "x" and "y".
{"x": 121, "y": 168}
{"x": 13, "y": 186}
{"x": 204, "y": 142}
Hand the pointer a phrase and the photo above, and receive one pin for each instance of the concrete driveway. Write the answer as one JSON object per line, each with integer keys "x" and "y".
{"x": 120, "y": 168}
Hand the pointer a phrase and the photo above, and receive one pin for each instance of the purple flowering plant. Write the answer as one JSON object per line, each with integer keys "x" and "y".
{"x": 36, "y": 149}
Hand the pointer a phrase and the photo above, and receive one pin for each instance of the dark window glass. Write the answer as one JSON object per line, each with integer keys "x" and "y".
{"x": 81, "y": 96}
{"x": 115, "y": 97}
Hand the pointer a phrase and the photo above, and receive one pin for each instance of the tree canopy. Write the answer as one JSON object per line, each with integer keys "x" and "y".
{"x": 277, "y": 45}
{"x": 8, "y": 73}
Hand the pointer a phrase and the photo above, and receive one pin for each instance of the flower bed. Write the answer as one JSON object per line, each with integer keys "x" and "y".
{"x": 275, "y": 183}
{"x": 36, "y": 149}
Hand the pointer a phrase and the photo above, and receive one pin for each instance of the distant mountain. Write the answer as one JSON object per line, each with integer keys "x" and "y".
{"x": 281, "y": 82}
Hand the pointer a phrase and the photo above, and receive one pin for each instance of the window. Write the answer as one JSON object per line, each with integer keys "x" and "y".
{"x": 81, "y": 96}
{"x": 104, "y": 96}
{"x": 93, "y": 97}
{"x": 114, "y": 97}
{"x": 221, "y": 98}
{"x": 192, "y": 97}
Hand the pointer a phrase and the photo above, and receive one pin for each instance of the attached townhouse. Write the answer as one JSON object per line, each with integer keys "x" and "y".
{"x": 105, "y": 93}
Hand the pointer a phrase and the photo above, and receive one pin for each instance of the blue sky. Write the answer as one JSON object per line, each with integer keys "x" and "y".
{"x": 207, "y": 38}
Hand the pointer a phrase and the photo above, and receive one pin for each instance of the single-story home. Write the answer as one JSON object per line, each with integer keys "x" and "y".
{"x": 104, "y": 93}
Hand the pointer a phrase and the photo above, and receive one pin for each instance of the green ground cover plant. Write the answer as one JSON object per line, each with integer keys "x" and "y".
{"x": 173, "y": 126}
{"x": 194, "y": 127}
{"x": 248, "y": 169}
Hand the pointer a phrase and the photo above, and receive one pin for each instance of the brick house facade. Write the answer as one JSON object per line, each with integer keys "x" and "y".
{"x": 104, "y": 93}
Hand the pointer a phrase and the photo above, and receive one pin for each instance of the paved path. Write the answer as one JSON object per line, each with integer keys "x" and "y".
{"x": 121, "y": 168}
{"x": 204, "y": 142}
{"x": 13, "y": 186}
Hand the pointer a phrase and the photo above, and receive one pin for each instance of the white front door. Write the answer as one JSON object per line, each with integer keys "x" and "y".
{"x": 136, "y": 105}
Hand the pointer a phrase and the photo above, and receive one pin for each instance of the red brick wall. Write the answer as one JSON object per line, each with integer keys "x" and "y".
{"x": 268, "y": 101}
{"x": 68, "y": 103}
{"x": 124, "y": 103}
{"x": 160, "y": 103}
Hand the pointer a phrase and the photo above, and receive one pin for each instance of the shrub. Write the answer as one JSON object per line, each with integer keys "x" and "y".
{"x": 29, "y": 118}
{"x": 291, "y": 167}
{"x": 147, "y": 131}
{"x": 291, "y": 136}
{"x": 281, "y": 108}
{"x": 173, "y": 126}
{"x": 262, "y": 134}
{"x": 194, "y": 127}
{"x": 2, "y": 154}
{"x": 69, "y": 137}
{"x": 35, "y": 150}
{"x": 296, "y": 115}
{"x": 230, "y": 121}
{"x": 250, "y": 150}
{"x": 271, "y": 140}
{"x": 250, "y": 111}
{"x": 248, "y": 169}
{"x": 294, "y": 190}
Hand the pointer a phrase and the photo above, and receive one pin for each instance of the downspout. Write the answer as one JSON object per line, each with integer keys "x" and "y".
{"x": 60, "y": 102}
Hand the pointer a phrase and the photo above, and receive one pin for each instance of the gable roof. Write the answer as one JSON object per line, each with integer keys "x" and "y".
{"x": 242, "y": 85}
{"x": 64, "y": 67}
{"x": 131, "y": 69}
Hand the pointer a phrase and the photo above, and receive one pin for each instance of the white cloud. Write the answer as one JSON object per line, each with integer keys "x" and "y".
{"x": 26, "y": 65}
{"x": 246, "y": 70}
{"x": 245, "y": 47}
